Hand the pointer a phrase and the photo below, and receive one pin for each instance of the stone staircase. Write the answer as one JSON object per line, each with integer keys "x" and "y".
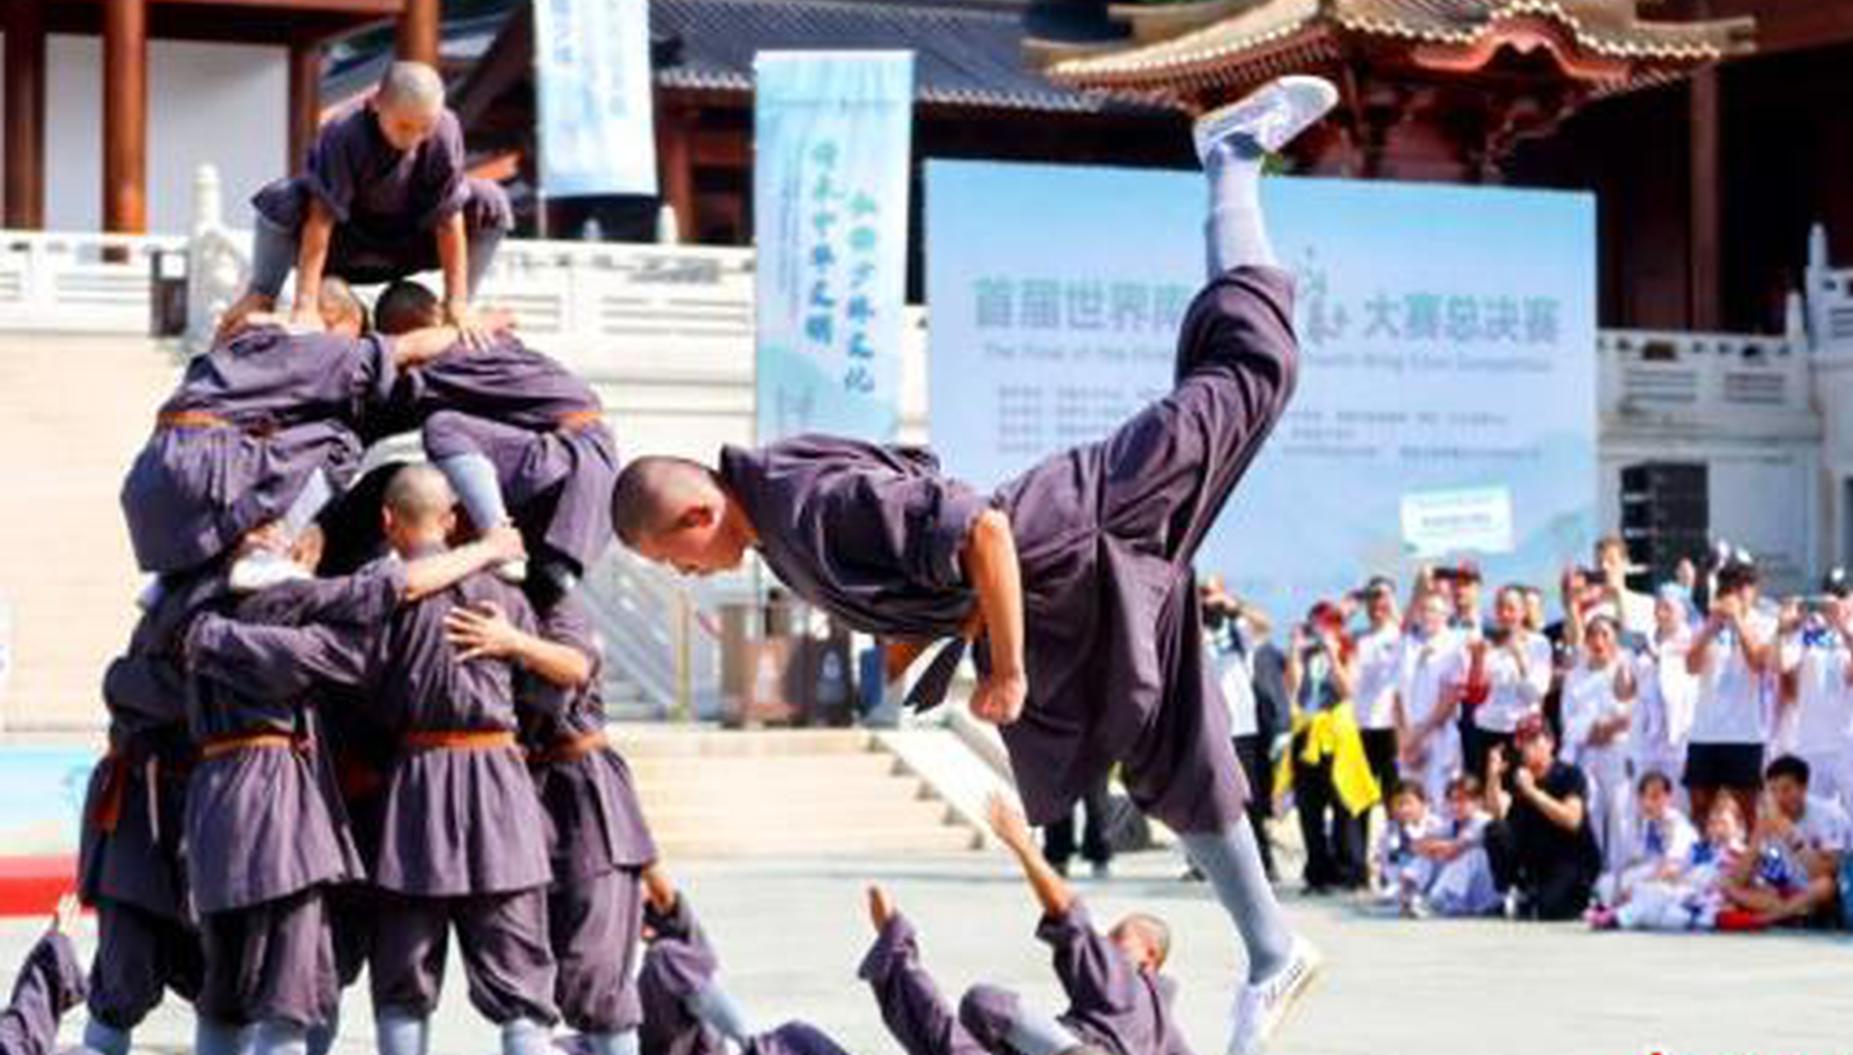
{"x": 730, "y": 793}
{"x": 73, "y": 412}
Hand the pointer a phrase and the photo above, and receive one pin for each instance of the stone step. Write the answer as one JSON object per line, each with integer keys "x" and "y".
{"x": 725, "y": 771}
{"x": 823, "y": 785}
{"x": 833, "y": 839}
{"x": 777, "y": 813}
{"x": 671, "y": 741}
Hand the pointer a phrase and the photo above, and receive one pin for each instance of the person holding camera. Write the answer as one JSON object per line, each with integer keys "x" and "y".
{"x": 1598, "y": 700}
{"x": 1379, "y": 664}
{"x": 1252, "y": 673}
{"x": 1508, "y": 675}
{"x": 1731, "y": 657}
{"x": 1815, "y": 653}
{"x": 1540, "y": 843}
{"x": 1431, "y": 666}
{"x": 1328, "y": 755}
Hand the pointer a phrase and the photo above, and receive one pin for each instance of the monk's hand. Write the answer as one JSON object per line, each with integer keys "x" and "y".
{"x": 659, "y": 889}
{"x": 482, "y": 632}
{"x": 472, "y": 330}
{"x": 1000, "y": 696}
{"x": 881, "y": 907}
{"x": 1007, "y": 822}
{"x": 64, "y": 916}
{"x": 504, "y": 544}
{"x": 306, "y": 318}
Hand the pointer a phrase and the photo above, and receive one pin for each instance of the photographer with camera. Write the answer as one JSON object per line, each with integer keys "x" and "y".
{"x": 1731, "y": 657}
{"x": 1379, "y": 665}
{"x": 1818, "y": 710}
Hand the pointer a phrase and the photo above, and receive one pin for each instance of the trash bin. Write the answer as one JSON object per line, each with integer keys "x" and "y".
{"x": 167, "y": 292}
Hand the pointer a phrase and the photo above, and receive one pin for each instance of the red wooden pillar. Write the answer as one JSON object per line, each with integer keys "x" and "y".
{"x": 418, "y": 31}
{"x": 125, "y": 116}
{"x": 305, "y": 102}
{"x": 676, "y": 160}
{"x": 1704, "y": 286}
{"x": 25, "y": 114}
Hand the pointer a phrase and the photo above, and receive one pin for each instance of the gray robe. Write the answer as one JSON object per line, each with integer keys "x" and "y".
{"x": 1105, "y": 535}
{"x": 291, "y": 404}
{"x": 911, "y": 1004}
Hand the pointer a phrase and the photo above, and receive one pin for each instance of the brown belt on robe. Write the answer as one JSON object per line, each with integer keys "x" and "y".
{"x": 220, "y": 746}
{"x": 119, "y": 765}
{"x": 569, "y": 748}
{"x": 190, "y": 419}
{"x": 574, "y": 420}
{"x": 457, "y": 739}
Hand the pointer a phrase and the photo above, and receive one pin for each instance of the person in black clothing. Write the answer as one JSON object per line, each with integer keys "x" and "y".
{"x": 1096, "y": 849}
{"x": 1541, "y": 846}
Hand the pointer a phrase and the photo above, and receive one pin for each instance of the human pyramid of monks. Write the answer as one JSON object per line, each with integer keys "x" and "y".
{"x": 361, "y": 712}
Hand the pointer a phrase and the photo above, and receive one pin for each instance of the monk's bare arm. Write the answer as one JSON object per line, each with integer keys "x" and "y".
{"x": 990, "y": 560}
{"x": 318, "y": 230}
{"x": 1052, "y": 893}
{"x": 428, "y": 575}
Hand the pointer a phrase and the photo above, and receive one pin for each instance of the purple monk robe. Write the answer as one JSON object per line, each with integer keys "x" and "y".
{"x": 386, "y": 202}
{"x": 1106, "y": 534}
{"x": 140, "y": 956}
{"x": 596, "y": 821}
{"x": 503, "y": 941}
{"x": 677, "y": 964}
{"x": 235, "y": 444}
{"x": 264, "y": 817}
{"x": 594, "y": 926}
{"x": 911, "y": 1005}
{"x": 872, "y": 534}
{"x": 274, "y": 961}
{"x": 539, "y": 424}
{"x": 597, "y": 837}
{"x": 50, "y": 982}
{"x": 458, "y": 818}
{"x": 135, "y": 806}
{"x": 1110, "y": 1000}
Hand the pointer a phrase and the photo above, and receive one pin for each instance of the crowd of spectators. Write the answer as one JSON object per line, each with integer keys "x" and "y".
{"x": 1680, "y": 759}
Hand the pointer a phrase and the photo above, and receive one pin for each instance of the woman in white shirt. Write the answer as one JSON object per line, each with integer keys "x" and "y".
{"x": 1664, "y": 691}
{"x": 1508, "y": 674}
{"x": 1431, "y": 664}
{"x": 1597, "y": 696}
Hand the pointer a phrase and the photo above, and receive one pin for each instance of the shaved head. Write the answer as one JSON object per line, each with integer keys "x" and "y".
{"x": 677, "y": 512}
{"x": 405, "y": 306}
{"x": 340, "y": 307}
{"x": 419, "y": 493}
{"x": 652, "y": 492}
{"x": 411, "y": 86}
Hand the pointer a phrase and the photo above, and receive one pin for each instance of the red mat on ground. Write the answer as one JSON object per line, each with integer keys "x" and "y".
{"x": 30, "y": 886}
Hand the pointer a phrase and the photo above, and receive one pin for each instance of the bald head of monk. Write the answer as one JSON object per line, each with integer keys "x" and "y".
{"x": 340, "y": 308}
{"x": 676, "y": 512}
{"x": 408, "y": 104}
{"x": 419, "y": 510}
{"x": 405, "y": 306}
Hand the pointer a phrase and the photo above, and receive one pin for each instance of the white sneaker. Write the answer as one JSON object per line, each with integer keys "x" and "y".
{"x": 1271, "y": 115}
{"x": 261, "y": 570}
{"x": 513, "y": 571}
{"x": 1262, "y": 1007}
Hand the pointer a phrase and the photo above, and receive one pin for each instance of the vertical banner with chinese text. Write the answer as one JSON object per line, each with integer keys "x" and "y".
{"x": 833, "y": 133}
{"x": 592, "y": 71}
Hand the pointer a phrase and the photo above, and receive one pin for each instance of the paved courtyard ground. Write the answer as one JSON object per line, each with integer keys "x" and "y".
{"x": 791, "y": 933}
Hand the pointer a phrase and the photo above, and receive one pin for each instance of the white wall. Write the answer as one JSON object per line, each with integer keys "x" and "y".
{"x": 221, "y": 103}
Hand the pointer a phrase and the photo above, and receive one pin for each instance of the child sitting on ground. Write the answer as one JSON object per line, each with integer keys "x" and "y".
{"x": 1690, "y": 896}
{"x": 1658, "y": 845}
{"x": 1463, "y": 883}
{"x": 1402, "y": 872}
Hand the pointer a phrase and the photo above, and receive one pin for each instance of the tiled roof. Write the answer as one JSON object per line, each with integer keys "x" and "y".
{"x": 968, "y": 52}
{"x": 1605, "y": 27}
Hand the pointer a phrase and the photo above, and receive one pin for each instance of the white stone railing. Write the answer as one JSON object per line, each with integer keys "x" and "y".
{"x": 1665, "y": 373}
{"x": 80, "y": 283}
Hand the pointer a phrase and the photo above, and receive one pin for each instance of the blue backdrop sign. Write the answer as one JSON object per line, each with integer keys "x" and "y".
{"x": 830, "y": 190}
{"x": 592, "y": 70}
{"x": 1446, "y": 399}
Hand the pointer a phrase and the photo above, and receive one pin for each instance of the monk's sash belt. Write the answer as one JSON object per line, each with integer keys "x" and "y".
{"x": 457, "y": 740}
